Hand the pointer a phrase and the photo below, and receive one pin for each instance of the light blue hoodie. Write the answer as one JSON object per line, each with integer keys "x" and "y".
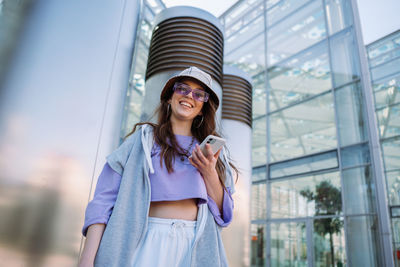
{"x": 128, "y": 222}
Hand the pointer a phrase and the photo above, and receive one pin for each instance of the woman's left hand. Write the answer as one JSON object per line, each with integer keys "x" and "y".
{"x": 205, "y": 163}
{"x": 206, "y": 166}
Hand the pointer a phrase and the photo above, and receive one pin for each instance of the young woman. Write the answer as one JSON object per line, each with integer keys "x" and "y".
{"x": 161, "y": 206}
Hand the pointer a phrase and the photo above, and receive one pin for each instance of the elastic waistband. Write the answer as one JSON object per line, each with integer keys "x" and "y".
{"x": 185, "y": 223}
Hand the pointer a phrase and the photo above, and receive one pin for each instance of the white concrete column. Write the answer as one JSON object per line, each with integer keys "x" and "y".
{"x": 236, "y": 128}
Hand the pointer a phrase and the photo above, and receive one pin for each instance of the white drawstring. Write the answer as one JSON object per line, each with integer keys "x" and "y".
{"x": 175, "y": 225}
{"x": 147, "y": 143}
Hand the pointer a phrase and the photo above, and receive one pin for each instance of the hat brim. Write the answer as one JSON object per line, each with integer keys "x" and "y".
{"x": 165, "y": 94}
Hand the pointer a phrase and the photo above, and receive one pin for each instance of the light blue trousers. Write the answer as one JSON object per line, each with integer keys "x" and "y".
{"x": 168, "y": 242}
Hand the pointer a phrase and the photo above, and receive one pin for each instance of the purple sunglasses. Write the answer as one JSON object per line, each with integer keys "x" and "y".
{"x": 197, "y": 94}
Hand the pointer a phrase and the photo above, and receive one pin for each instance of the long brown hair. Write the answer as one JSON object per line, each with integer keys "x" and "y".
{"x": 165, "y": 138}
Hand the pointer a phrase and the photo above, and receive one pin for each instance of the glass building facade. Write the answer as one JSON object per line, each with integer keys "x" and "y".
{"x": 384, "y": 66}
{"x": 314, "y": 191}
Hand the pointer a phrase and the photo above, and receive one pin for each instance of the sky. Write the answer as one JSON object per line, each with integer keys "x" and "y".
{"x": 378, "y": 17}
{"x": 215, "y": 7}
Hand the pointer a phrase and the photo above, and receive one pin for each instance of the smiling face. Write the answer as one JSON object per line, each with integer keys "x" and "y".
{"x": 184, "y": 107}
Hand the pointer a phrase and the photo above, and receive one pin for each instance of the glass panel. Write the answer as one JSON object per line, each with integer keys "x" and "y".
{"x": 329, "y": 242}
{"x": 391, "y": 154}
{"x": 257, "y": 245}
{"x": 271, "y": 3}
{"x": 242, "y": 34}
{"x": 282, "y": 9}
{"x": 358, "y": 190}
{"x": 361, "y": 240}
{"x": 344, "y": 58}
{"x": 288, "y": 244}
{"x": 385, "y": 58}
{"x": 305, "y": 75}
{"x": 389, "y": 121}
{"x": 387, "y": 92}
{"x": 386, "y": 69}
{"x": 146, "y": 32}
{"x": 304, "y": 165}
{"x": 350, "y": 109}
{"x": 338, "y": 15}
{"x": 396, "y": 240}
{"x": 395, "y": 212}
{"x": 396, "y": 231}
{"x": 249, "y": 57}
{"x": 306, "y": 196}
{"x": 306, "y": 128}
{"x": 393, "y": 180}
{"x": 296, "y": 32}
{"x": 148, "y": 13}
{"x": 259, "y": 141}
{"x": 383, "y": 46}
{"x": 241, "y": 14}
{"x": 355, "y": 155}
{"x": 155, "y": 5}
{"x": 135, "y": 92}
{"x": 258, "y": 174}
{"x": 259, "y": 95}
{"x": 259, "y": 201}
{"x": 396, "y": 40}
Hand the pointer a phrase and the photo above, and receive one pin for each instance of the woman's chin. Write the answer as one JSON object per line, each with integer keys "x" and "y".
{"x": 186, "y": 116}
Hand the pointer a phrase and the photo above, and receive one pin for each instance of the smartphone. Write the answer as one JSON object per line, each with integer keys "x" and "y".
{"x": 214, "y": 141}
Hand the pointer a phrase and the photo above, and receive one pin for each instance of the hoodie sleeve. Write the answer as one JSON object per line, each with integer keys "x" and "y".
{"x": 118, "y": 158}
{"x": 100, "y": 207}
{"x": 225, "y": 218}
{"x": 229, "y": 181}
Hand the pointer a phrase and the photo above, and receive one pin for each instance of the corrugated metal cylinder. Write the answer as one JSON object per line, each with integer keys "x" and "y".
{"x": 237, "y": 96}
{"x": 182, "y": 37}
{"x": 236, "y": 126}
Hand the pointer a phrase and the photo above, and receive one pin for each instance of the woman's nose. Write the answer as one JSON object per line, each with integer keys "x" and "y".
{"x": 190, "y": 95}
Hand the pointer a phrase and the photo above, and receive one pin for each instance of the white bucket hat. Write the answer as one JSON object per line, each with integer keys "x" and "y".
{"x": 192, "y": 72}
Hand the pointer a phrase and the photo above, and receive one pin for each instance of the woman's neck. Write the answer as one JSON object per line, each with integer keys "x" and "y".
{"x": 181, "y": 127}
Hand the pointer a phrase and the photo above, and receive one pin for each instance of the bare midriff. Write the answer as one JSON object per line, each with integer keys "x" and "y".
{"x": 185, "y": 209}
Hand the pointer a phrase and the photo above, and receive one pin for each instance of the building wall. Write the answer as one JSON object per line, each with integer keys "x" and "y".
{"x": 60, "y": 115}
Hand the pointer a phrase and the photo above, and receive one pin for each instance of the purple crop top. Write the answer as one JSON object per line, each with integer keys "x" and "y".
{"x": 185, "y": 182}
